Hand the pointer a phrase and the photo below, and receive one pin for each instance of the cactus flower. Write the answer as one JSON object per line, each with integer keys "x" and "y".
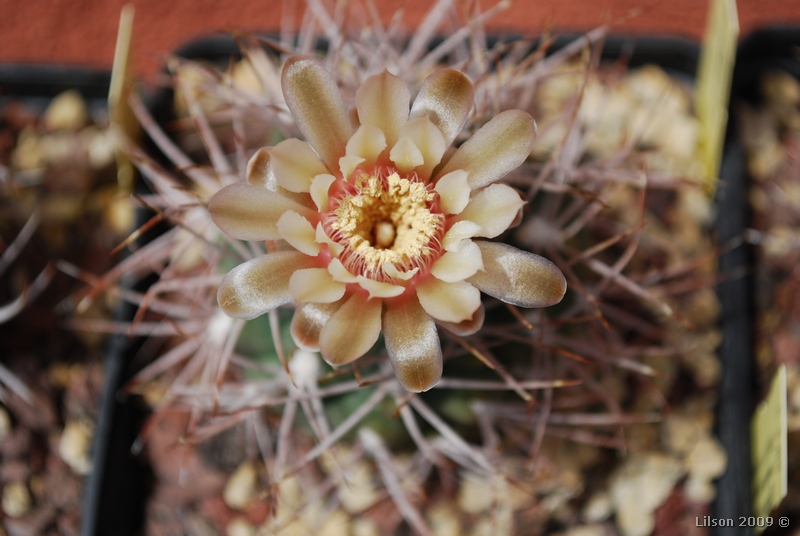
{"x": 383, "y": 221}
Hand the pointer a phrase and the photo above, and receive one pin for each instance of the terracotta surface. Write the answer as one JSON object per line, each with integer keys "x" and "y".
{"x": 83, "y": 31}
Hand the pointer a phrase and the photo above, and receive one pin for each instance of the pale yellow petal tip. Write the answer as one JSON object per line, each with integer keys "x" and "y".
{"x": 454, "y": 191}
{"x": 315, "y": 285}
{"x": 406, "y": 155}
{"x": 378, "y": 289}
{"x": 392, "y": 271}
{"x": 467, "y": 327}
{"x": 320, "y": 185}
{"x": 298, "y": 232}
{"x": 368, "y": 143}
{"x": 339, "y": 272}
{"x": 322, "y": 238}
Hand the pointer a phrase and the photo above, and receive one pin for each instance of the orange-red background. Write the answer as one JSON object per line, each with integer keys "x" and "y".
{"x": 82, "y": 32}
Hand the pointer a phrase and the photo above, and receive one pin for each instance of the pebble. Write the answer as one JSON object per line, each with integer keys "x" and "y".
{"x": 74, "y": 446}
{"x": 707, "y": 459}
{"x": 475, "y": 494}
{"x": 586, "y": 530}
{"x": 640, "y": 486}
{"x": 598, "y": 508}
{"x": 16, "y": 499}
{"x": 66, "y": 112}
{"x": 239, "y": 527}
{"x": 240, "y": 488}
{"x": 443, "y": 520}
{"x": 358, "y": 492}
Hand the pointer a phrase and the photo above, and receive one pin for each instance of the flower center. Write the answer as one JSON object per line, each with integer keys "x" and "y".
{"x": 384, "y": 218}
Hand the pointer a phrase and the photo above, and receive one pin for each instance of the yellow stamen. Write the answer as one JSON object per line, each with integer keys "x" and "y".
{"x": 387, "y": 220}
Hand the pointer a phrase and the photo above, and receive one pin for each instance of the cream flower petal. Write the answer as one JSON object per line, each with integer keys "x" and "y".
{"x": 450, "y": 302}
{"x": 460, "y": 231}
{"x": 518, "y": 277}
{"x": 319, "y": 190}
{"x": 382, "y": 100}
{"x": 467, "y": 327}
{"x": 322, "y": 237}
{"x": 260, "y": 285}
{"x": 368, "y": 143}
{"x": 339, "y": 272}
{"x": 412, "y": 343}
{"x": 250, "y": 212}
{"x": 494, "y": 208}
{"x": 392, "y": 271}
{"x": 352, "y": 330}
{"x": 313, "y": 98}
{"x": 378, "y": 289}
{"x": 453, "y": 190}
{"x": 315, "y": 285}
{"x": 307, "y": 322}
{"x": 500, "y": 146}
{"x": 261, "y": 173}
{"x": 406, "y": 155}
{"x": 458, "y": 265}
{"x": 298, "y": 232}
{"x": 348, "y": 163}
{"x": 295, "y": 164}
{"x": 429, "y": 140}
{"x": 446, "y": 98}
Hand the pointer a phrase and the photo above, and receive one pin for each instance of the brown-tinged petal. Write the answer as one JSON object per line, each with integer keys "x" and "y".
{"x": 500, "y": 146}
{"x": 518, "y": 277}
{"x": 295, "y": 164}
{"x": 307, "y": 323}
{"x": 459, "y": 264}
{"x": 382, "y": 100}
{"x": 450, "y": 302}
{"x": 446, "y": 98}
{"x": 259, "y": 169}
{"x": 412, "y": 343}
{"x": 316, "y": 105}
{"x": 352, "y": 330}
{"x": 467, "y": 327}
{"x": 260, "y": 285}
{"x": 315, "y": 285}
{"x": 249, "y": 212}
{"x": 494, "y": 208}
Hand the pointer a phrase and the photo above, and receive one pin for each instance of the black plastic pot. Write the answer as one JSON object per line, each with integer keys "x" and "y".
{"x": 769, "y": 49}
{"x": 114, "y": 506}
{"x": 36, "y": 86}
